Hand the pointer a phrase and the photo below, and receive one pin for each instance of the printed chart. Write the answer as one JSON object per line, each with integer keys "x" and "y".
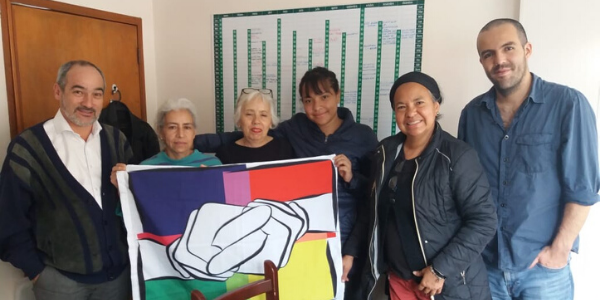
{"x": 368, "y": 46}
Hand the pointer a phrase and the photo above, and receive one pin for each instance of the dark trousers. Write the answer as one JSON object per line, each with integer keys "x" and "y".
{"x": 52, "y": 285}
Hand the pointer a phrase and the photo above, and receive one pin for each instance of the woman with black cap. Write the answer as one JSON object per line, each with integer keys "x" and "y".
{"x": 430, "y": 213}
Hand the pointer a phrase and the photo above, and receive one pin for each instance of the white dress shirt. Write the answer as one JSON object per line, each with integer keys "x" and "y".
{"x": 82, "y": 158}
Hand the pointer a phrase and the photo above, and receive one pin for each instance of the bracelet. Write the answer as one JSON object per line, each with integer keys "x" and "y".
{"x": 436, "y": 273}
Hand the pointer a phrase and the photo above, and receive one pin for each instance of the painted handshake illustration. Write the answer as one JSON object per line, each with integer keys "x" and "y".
{"x": 222, "y": 239}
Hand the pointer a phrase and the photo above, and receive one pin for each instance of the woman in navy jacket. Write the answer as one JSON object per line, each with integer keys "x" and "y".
{"x": 323, "y": 129}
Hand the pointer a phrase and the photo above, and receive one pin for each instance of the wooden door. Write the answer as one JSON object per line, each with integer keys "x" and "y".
{"x": 41, "y": 35}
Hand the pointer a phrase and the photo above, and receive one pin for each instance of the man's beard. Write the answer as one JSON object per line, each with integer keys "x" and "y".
{"x": 75, "y": 120}
{"x": 513, "y": 83}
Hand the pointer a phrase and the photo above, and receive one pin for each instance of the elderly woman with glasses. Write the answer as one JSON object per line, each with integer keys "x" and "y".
{"x": 430, "y": 210}
{"x": 254, "y": 116}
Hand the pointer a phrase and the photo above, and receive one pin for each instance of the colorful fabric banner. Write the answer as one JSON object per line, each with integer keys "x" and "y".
{"x": 211, "y": 229}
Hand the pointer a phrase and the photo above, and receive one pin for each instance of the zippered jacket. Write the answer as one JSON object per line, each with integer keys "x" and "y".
{"x": 454, "y": 214}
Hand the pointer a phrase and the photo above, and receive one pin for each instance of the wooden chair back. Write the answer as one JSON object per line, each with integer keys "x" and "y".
{"x": 268, "y": 286}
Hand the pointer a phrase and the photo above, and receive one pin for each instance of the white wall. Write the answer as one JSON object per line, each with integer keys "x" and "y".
{"x": 178, "y": 62}
{"x": 566, "y": 49}
{"x": 9, "y": 276}
{"x": 184, "y": 47}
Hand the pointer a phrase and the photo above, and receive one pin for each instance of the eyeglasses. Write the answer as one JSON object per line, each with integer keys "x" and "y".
{"x": 262, "y": 91}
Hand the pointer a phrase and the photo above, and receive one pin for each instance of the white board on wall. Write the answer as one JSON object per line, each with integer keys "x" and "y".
{"x": 566, "y": 49}
{"x": 367, "y": 46}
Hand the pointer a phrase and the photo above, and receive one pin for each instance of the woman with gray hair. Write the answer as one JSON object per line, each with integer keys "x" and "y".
{"x": 254, "y": 116}
{"x": 176, "y": 129}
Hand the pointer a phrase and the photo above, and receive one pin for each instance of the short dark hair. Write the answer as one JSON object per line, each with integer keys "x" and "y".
{"x": 516, "y": 24}
{"x": 61, "y": 78}
{"x": 315, "y": 77}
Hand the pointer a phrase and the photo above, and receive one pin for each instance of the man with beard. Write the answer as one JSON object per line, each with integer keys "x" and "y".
{"x": 537, "y": 142}
{"x": 57, "y": 205}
